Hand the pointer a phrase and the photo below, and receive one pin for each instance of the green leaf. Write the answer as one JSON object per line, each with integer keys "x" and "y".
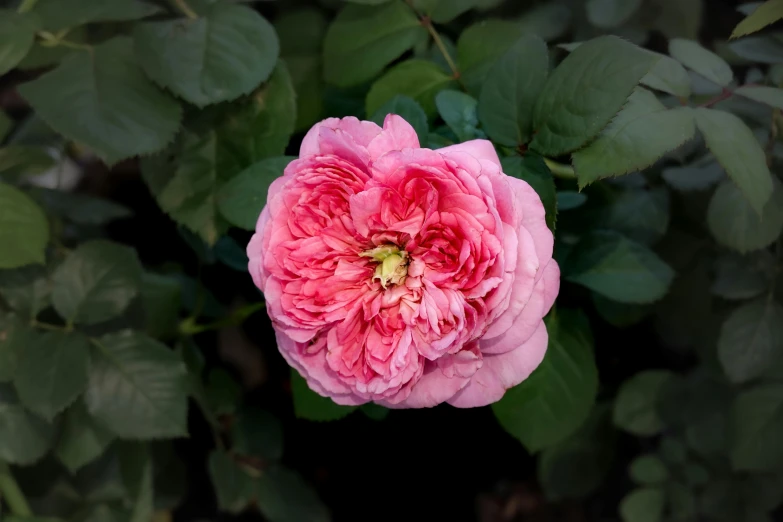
{"x": 510, "y": 91}
{"x": 257, "y": 433}
{"x": 24, "y": 229}
{"x": 673, "y": 450}
{"x": 363, "y": 40}
{"x": 576, "y": 467}
{"x": 96, "y": 282}
{"x": 374, "y": 411}
{"x": 24, "y": 438}
{"x": 311, "y": 406}
{"x": 757, "y": 428}
{"x": 241, "y": 200}
{"x": 695, "y": 57}
{"x": 648, "y": 470}
{"x": 65, "y": 14}
{"x": 223, "y": 392}
{"x": 15, "y": 335}
{"x": 121, "y": 113}
{"x": 611, "y": 13}
{"x": 621, "y": 315}
{"x": 233, "y": 486}
{"x": 458, "y": 110}
{"x": 219, "y": 56}
{"x": 301, "y": 34}
{"x": 260, "y": 128}
{"x": 699, "y": 175}
{"x": 161, "y": 296}
{"x": 738, "y": 151}
{"x": 409, "y": 110}
{"x": 618, "y": 268}
{"x": 759, "y": 49}
{"x": 79, "y": 208}
{"x": 136, "y": 467}
{"x": 444, "y": 11}
{"x": 17, "y": 34}
{"x": 643, "y": 505}
{"x": 557, "y": 397}
{"x": 772, "y": 96}
{"x": 598, "y": 77}
{"x": 669, "y": 76}
{"x": 23, "y": 161}
{"x": 533, "y": 170}
{"x": 735, "y": 224}
{"x": 550, "y": 21}
{"x": 479, "y": 46}
{"x": 642, "y": 215}
{"x": 6, "y": 126}
{"x": 638, "y": 136}
{"x": 82, "y": 439}
{"x": 743, "y": 277}
{"x": 767, "y": 13}
{"x": 570, "y": 199}
{"x": 751, "y": 340}
{"x": 636, "y": 406}
{"x": 283, "y": 496}
{"x": 418, "y": 79}
{"x": 52, "y": 372}
{"x": 137, "y": 387}
{"x": 185, "y": 183}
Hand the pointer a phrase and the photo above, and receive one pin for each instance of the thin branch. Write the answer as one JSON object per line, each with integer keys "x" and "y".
{"x": 560, "y": 170}
{"x": 183, "y": 6}
{"x": 190, "y": 327}
{"x": 11, "y": 494}
{"x": 426, "y": 22}
{"x": 26, "y": 6}
{"x": 724, "y": 95}
{"x": 50, "y": 40}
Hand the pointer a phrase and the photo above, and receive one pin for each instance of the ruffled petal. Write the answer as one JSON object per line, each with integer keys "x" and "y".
{"x": 504, "y": 371}
{"x": 479, "y": 149}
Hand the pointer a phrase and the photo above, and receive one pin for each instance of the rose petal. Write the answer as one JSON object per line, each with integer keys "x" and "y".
{"x": 479, "y": 149}
{"x": 501, "y": 372}
{"x": 320, "y": 378}
{"x": 441, "y": 379}
{"x": 397, "y": 134}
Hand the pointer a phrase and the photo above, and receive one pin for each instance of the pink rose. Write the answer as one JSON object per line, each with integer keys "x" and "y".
{"x": 402, "y": 275}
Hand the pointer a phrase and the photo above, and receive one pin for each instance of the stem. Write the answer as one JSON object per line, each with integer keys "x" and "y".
{"x": 426, "y": 22}
{"x": 50, "y": 40}
{"x": 560, "y": 170}
{"x": 189, "y": 326}
{"x": 11, "y": 493}
{"x": 725, "y": 94}
{"x": 52, "y": 327}
{"x": 26, "y": 6}
{"x": 185, "y": 8}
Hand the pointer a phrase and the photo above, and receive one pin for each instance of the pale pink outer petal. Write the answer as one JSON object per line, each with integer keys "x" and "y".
{"x": 310, "y": 145}
{"x": 501, "y": 372}
{"x": 479, "y": 149}
{"x": 442, "y": 379}
{"x": 534, "y": 221}
{"x": 320, "y": 378}
{"x": 397, "y": 134}
{"x": 527, "y": 322}
{"x": 361, "y": 133}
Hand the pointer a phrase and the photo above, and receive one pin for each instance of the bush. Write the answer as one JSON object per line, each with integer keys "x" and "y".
{"x": 139, "y": 376}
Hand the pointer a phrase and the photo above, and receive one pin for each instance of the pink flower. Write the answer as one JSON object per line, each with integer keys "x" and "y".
{"x": 402, "y": 275}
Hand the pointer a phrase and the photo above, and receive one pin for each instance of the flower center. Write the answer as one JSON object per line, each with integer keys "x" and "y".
{"x": 392, "y": 264}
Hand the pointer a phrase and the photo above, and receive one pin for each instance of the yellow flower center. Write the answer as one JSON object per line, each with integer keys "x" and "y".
{"x": 392, "y": 264}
